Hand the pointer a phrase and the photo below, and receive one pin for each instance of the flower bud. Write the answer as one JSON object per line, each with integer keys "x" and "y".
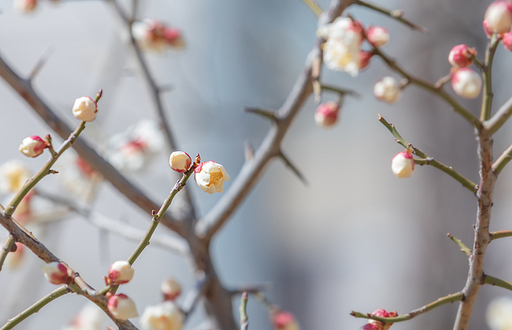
{"x": 85, "y": 109}
{"x": 32, "y": 146}
{"x": 498, "y": 17}
{"x": 364, "y": 59}
{"x": 402, "y": 164}
{"x": 122, "y": 307}
{"x": 210, "y": 177}
{"x": 56, "y": 273}
{"x": 377, "y": 36}
{"x": 180, "y": 161}
{"x": 25, "y": 6}
{"x": 466, "y": 83}
{"x": 171, "y": 289}
{"x": 507, "y": 40}
{"x": 378, "y": 325}
{"x": 284, "y": 321}
{"x": 326, "y": 114}
{"x": 162, "y": 316}
{"x": 120, "y": 272}
{"x": 387, "y": 90}
{"x": 460, "y": 56}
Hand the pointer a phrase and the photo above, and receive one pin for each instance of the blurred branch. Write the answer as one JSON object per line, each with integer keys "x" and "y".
{"x": 36, "y": 307}
{"x": 244, "y": 319}
{"x": 400, "y": 318}
{"x": 502, "y": 161}
{"x": 462, "y": 246}
{"x": 488, "y": 279}
{"x": 340, "y": 91}
{"x": 395, "y": 14}
{"x": 98, "y": 163}
{"x": 6, "y": 248}
{"x": 315, "y": 8}
{"x": 153, "y": 88}
{"x": 294, "y": 169}
{"x": 194, "y": 295}
{"x": 39, "y": 65}
{"x": 487, "y": 75}
{"x": 500, "y": 117}
{"x": 500, "y": 234}
{"x": 427, "y": 160}
{"x": 270, "y": 147}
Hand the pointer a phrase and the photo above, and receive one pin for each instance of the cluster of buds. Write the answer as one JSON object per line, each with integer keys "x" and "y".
{"x": 85, "y": 109}
{"x": 387, "y": 90}
{"x": 326, "y": 114}
{"x": 155, "y": 36}
{"x": 402, "y": 164}
{"x": 465, "y": 81}
{"x": 122, "y": 307}
{"x": 378, "y": 325}
{"x": 57, "y": 273}
{"x": 283, "y": 320}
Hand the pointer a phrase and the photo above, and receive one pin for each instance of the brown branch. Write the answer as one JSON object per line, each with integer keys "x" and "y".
{"x": 270, "y": 147}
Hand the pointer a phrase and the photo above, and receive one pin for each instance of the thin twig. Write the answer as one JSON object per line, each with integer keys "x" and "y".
{"x": 39, "y": 65}
{"x": 294, "y": 169}
{"x": 270, "y": 114}
{"x": 194, "y": 295}
{"x": 501, "y": 234}
{"x": 340, "y": 91}
{"x": 427, "y": 160}
{"x": 500, "y": 163}
{"x": 388, "y": 320}
{"x": 315, "y": 8}
{"x": 488, "y": 279}
{"x": 500, "y": 117}
{"x": 6, "y": 248}
{"x": 395, "y": 14}
{"x": 485, "y": 113}
{"x": 244, "y": 319}
{"x": 462, "y": 246}
{"x": 36, "y": 307}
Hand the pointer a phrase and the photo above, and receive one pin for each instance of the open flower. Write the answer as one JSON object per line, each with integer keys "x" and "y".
{"x": 84, "y": 109}
{"x": 134, "y": 148}
{"x": 155, "y": 36}
{"x": 13, "y": 176}
{"x": 402, "y": 164}
{"x": 56, "y": 273}
{"x": 387, "y": 90}
{"x": 120, "y": 272}
{"x": 341, "y": 50}
{"x": 211, "y": 176}
{"x": 466, "y": 83}
{"x": 32, "y": 146}
{"x": 122, "y": 307}
{"x": 170, "y": 289}
{"x": 164, "y": 316}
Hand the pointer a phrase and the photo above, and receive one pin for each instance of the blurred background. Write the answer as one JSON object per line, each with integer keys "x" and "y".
{"x": 355, "y": 238}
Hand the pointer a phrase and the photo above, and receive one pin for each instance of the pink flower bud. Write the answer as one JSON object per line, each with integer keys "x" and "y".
{"x": 180, "y": 161}
{"x": 171, "y": 289}
{"x": 210, "y": 177}
{"x": 85, "y": 109}
{"x": 364, "y": 59}
{"x": 498, "y": 17}
{"x": 377, "y": 36}
{"x": 120, "y": 272}
{"x": 122, "y": 307}
{"x": 326, "y": 114}
{"x": 507, "y": 40}
{"x": 284, "y": 321}
{"x": 32, "y": 146}
{"x": 25, "y": 6}
{"x": 466, "y": 83}
{"x": 460, "y": 56}
{"x": 378, "y": 325}
{"x": 166, "y": 316}
{"x": 402, "y": 164}
{"x": 387, "y": 90}
{"x": 56, "y": 273}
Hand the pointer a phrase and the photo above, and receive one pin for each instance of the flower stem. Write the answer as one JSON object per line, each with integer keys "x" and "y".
{"x": 487, "y": 76}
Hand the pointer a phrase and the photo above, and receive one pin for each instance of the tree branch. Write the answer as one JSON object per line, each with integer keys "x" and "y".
{"x": 487, "y": 77}
{"x": 500, "y": 234}
{"x": 462, "y": 246}
{"x": 395, "y": 14}
{"x": 500, "y": 163}
{"x": 488, "y": 279}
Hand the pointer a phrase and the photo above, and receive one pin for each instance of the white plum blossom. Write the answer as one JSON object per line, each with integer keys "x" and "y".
{"x": 341, "y": 50}
{"x": 90, "y": 317}
{"x": 402, "y": 164}
{"x": 133, "y": 149}
{"x": 32, "y": 146}
{"x": 164, "y": 316}
{"x": 122, "y": 307}
{"x": 13, "y": 176}
{"x": 210, "y": 177}
{"x": 75, "y": 174}
{"x": 499, "y": 314}
{"x": 387, "y": 90}
{"x": 84, "y": 109}
{"x": 466, "y": 83}
{"x": 120, "y": 272}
